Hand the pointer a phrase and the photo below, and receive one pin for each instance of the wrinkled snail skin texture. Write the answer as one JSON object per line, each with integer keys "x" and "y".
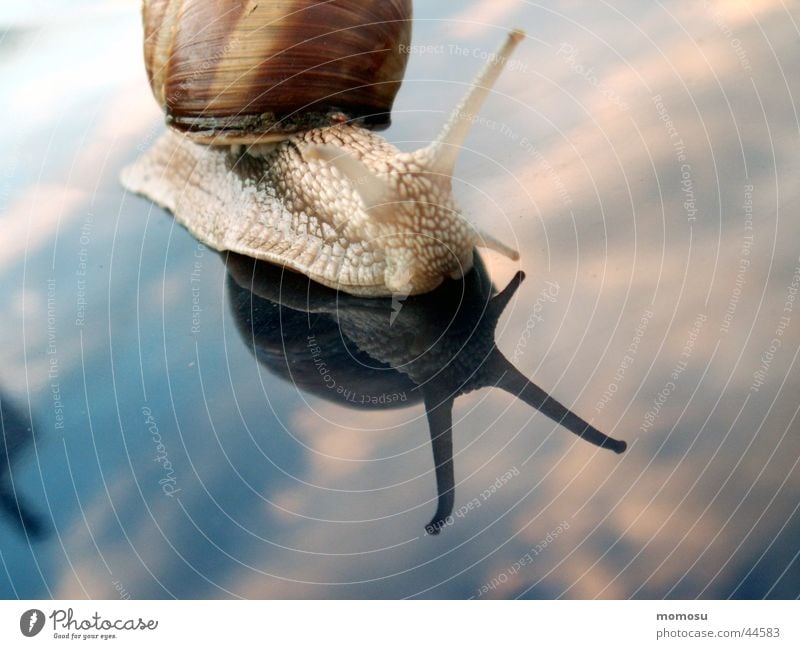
{"x": 292, "y": 207}
{"x": 338, "y": 204}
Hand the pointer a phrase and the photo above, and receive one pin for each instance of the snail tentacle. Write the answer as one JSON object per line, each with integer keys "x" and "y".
{"x": 374, "y": 191}
{"x": 443, "y": 152}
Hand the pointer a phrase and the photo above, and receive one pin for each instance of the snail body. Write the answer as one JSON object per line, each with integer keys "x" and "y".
{"x": 337, "y": 203}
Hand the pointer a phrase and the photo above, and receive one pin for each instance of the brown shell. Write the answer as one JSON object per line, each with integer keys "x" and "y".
{"x": 228, "y": 71}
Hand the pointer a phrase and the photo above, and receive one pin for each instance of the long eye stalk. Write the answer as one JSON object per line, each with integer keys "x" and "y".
{"x": 443, "y": 152}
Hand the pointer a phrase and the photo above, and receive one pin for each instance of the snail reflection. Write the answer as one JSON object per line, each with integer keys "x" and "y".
{"x": 17, "y": 436}
{"x": 428, "y": 349}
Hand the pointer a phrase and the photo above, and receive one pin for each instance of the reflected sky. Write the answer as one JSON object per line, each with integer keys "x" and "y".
{"x": 166, "y": 441}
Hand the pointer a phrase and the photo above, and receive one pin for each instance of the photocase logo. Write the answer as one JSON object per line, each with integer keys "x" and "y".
{"x": 31, "y": 622}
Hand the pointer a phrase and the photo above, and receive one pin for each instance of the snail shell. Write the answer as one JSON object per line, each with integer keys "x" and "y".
{"x": 338, "y": 204}
{"x": 242, "y": 71}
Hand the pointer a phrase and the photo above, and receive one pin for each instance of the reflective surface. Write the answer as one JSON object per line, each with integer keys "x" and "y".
{"x": 179, "y": 424}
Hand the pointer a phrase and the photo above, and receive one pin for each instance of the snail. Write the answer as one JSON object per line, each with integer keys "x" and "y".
{"x": 437, "y": 347}
{"x": 271, "y": 153}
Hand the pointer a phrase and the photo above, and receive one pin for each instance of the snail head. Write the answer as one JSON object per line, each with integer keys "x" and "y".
{"x": 408, "y": 197}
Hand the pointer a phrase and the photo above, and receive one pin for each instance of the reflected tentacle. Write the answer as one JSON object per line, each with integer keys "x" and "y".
{"x": 439, "y": 409}
{"x": 510, "y": 379}
{"x": 500, "y": 301}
